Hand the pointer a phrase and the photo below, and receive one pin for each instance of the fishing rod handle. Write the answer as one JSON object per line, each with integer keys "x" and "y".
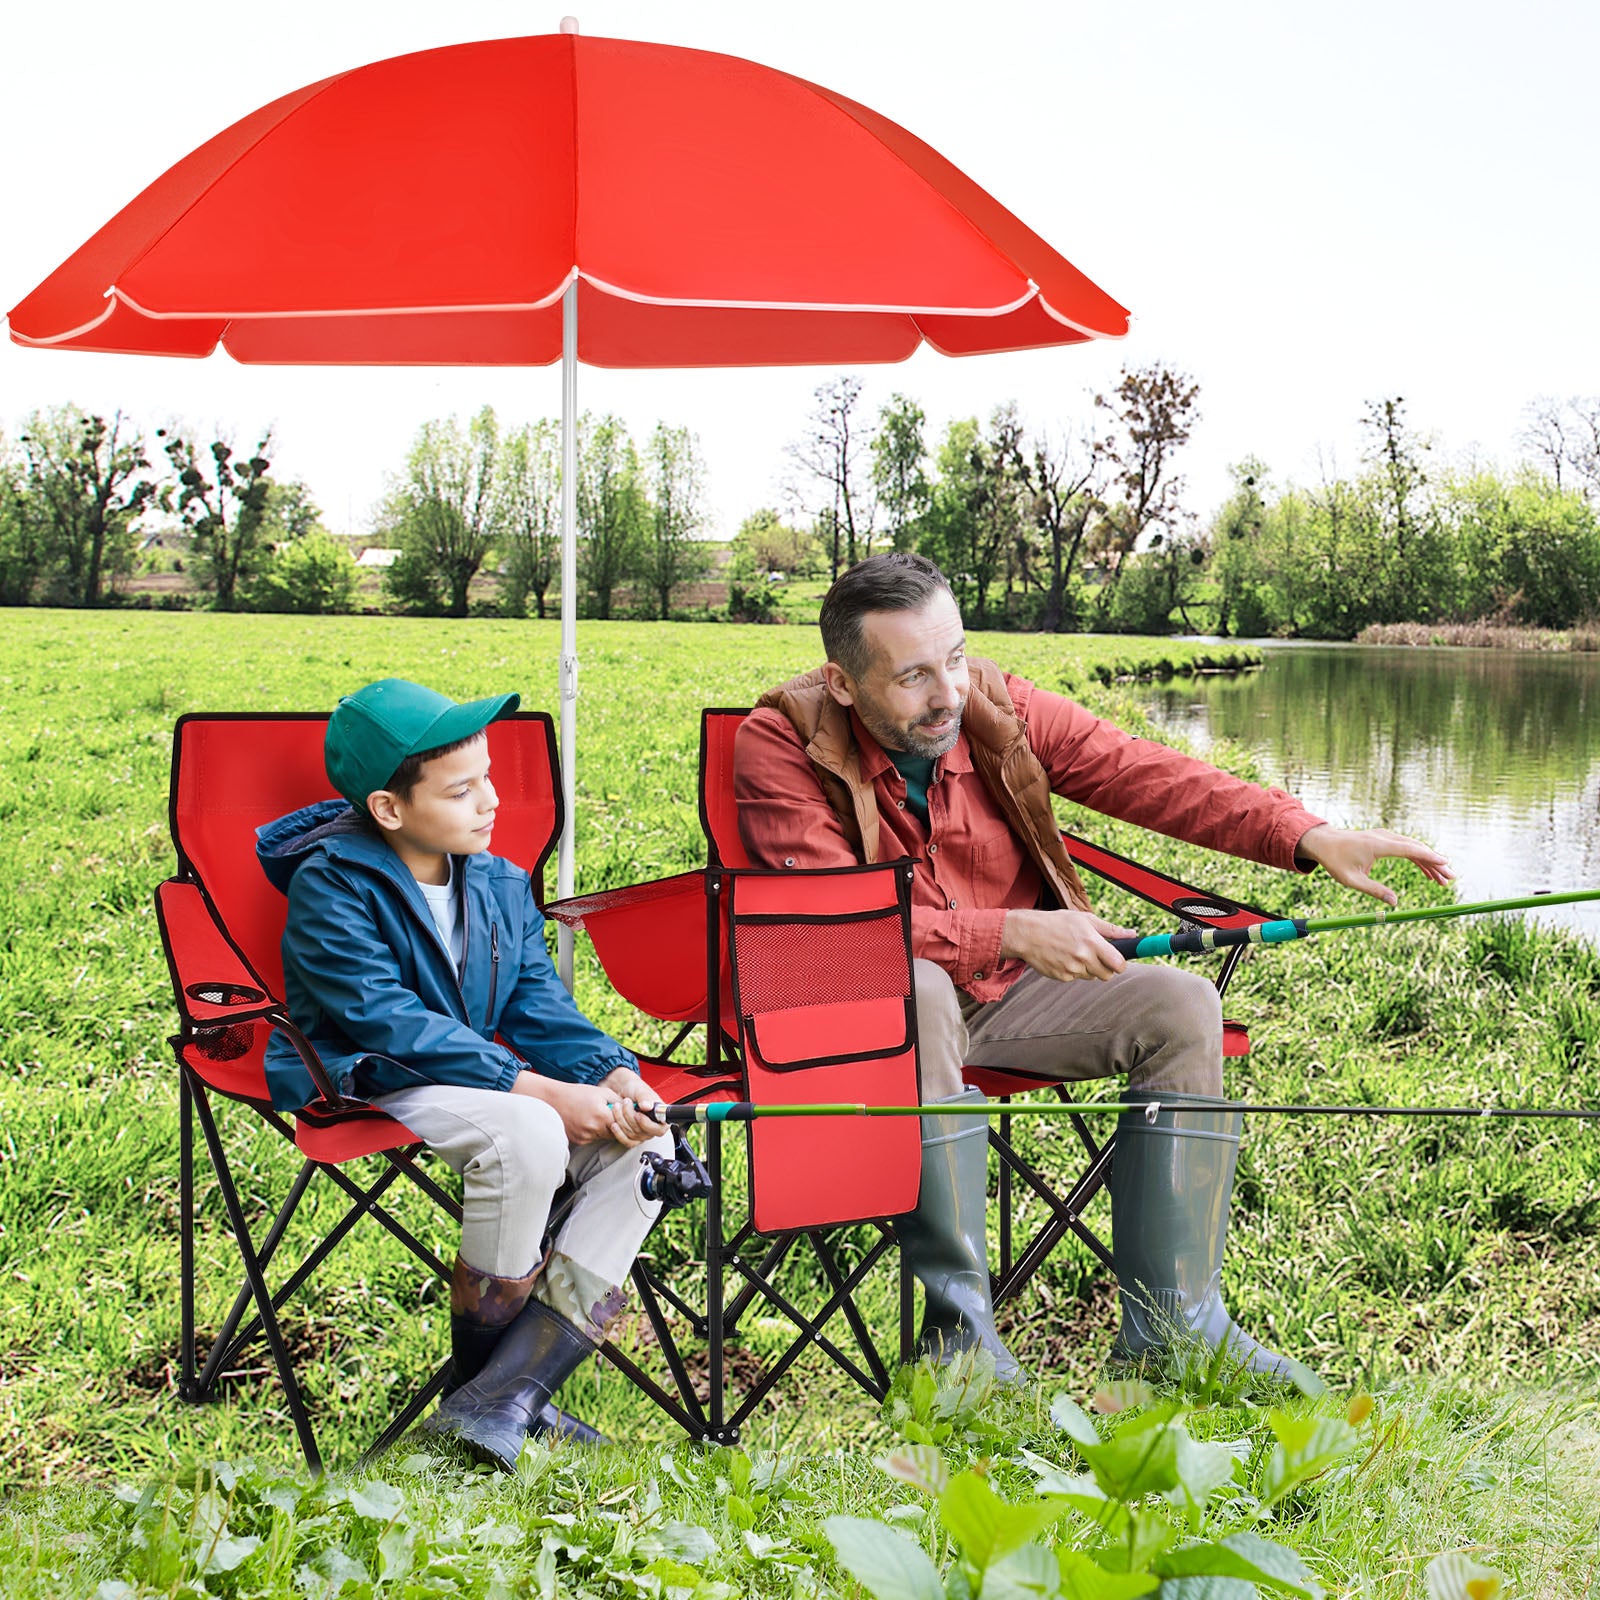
{"x": 1194, "y": 940}
{"x": 706, "y": 1111}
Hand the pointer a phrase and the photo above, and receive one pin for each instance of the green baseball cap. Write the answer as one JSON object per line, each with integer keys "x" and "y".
{"x": 373, "y": 730}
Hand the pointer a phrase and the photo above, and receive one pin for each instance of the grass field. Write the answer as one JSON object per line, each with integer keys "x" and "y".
{"x": 1449, "y": 1268}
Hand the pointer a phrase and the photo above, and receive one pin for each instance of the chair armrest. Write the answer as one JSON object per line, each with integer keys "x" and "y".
{"x": 212, "y": 982}
{"x": 1171, "y": 894}
{"x": 651, "y": 939}
{"x": 580, "y": 909}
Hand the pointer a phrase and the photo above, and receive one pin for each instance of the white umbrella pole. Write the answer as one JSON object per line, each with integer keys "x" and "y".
{"x": 566, "y": 858}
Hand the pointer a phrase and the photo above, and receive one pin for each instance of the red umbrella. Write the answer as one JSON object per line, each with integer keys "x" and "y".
{"x": 519, "y": 200}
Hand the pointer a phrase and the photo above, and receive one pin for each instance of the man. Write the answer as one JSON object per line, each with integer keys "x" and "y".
{"x": 899, "y": 745}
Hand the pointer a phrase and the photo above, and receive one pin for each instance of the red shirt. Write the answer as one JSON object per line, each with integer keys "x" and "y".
{"x": 971, "y": 869}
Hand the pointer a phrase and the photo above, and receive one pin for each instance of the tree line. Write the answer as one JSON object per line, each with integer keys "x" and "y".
{"x": 1404, "y": 540}
{"x": 472, "y": 491}
{"x": 1077, "y": 528}
{"x": 81, "y": 500}
{"x": 1088, "y": 529}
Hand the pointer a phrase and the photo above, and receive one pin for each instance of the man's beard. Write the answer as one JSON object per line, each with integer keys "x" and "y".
{"x": 911, "y": 740}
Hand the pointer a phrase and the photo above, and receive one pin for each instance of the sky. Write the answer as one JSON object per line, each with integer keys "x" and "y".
{"x": 1304, "y": 207}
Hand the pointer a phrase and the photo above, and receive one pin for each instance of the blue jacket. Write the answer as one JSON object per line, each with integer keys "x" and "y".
{"x": 371, "y": 985}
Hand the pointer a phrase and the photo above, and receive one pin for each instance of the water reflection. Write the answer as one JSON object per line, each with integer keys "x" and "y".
{"x": 1492, "y": 756}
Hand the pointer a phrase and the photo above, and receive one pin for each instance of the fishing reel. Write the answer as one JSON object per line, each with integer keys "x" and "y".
{"x": 674, "y": 1180}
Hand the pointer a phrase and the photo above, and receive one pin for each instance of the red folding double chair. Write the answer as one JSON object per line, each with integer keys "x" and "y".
{"x": 221, "y": 925}
{"x": 665, "y": 946}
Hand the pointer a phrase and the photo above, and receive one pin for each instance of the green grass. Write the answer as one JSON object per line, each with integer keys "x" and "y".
{"x": 1449, "y": 1266}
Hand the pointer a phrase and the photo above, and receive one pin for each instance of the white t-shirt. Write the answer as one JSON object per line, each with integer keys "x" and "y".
{"x": 443, "y": 903}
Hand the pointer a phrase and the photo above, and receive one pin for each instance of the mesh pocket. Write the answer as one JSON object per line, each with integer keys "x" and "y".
{"x": 782, "y": 965}
{"x": 225, "y": 1044}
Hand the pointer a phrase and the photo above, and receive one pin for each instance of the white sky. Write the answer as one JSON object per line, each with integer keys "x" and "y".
{"x": 1304, "y": 206}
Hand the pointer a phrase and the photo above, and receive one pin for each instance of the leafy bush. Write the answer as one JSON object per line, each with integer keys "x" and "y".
{"x": 315, "y": 574}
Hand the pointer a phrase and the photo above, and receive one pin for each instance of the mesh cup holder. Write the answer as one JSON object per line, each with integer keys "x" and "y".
{"x": 224, "y": 994}
{"x": 229, "y": 1043}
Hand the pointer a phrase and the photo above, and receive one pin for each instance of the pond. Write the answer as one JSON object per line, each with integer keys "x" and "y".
{"x": 1492, "y": 756}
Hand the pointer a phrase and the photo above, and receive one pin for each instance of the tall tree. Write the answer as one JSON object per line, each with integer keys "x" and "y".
{"x": 1152, "y": 413}
{"x": 445, "y": 512}
{"x": 1062, "y": 477}
{"x": 291, "y": 513}
{"x": 674, "y": 552}
{"x": 1564, "y": 438}
{"x": 530, "y": 532}
{"x": 86, "y": 479}
{"x": 224, "y": 506}
{"x": 1239, "y": 557}
{"x": 833, "y": 452}
{"x": 980, "y": 505}
{"x": 22, "y": 549}
{"x": 611, "y": 508}
{"x": 899, "y": 463}
{"x": 1414, "y": 561}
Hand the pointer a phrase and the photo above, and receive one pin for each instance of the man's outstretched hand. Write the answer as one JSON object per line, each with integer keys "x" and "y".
{"x": 1348, "y": 856}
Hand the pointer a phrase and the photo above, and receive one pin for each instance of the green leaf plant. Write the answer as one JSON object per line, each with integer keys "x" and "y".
{"x": 1141, "y": 1508}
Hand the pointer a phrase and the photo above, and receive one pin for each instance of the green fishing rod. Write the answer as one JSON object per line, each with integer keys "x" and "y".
{"x": 1282, "y": 931}
{"x": 707, "y": 1111}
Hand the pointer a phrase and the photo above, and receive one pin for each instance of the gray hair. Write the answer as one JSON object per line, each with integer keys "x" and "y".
{"x": 897, "y": 581}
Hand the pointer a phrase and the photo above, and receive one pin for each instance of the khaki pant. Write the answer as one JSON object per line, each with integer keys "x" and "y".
{"x": 1159, "y": 1027}
{"x": 512, "y": 1153}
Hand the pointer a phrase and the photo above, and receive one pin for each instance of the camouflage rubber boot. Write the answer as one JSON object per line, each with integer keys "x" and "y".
{"x": 493, "y": 1415}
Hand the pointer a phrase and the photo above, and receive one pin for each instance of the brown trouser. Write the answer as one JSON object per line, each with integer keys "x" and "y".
{"x": 1159, "y": 1027}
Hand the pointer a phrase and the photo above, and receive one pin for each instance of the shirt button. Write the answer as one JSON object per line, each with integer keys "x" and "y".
{"x": 788, "y": 861}
{"x": 952, "y": 905}
{"x": 899, "y": 805}
{"x": 976, "y": 976}
{"x": 933, "y": 849}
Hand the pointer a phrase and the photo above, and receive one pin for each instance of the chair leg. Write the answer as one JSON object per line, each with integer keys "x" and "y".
{"x": 811, "y": 1332}
{"x": 1004, "y": 1188}
{"x": 186, "y": 1347}
{"x": 258, "y": 1287}
{"x": 419, "y": 1402}
{"x": 226, "y": 1347}
{"x": 718, "y": 1430}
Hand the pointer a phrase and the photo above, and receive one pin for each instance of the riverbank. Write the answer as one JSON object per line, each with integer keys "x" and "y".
{"x": 1483, "y": 636}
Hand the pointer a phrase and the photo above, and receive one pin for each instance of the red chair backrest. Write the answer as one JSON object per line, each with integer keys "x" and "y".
{"x": 232, "y": 772}
{"x": 719, "y": 814}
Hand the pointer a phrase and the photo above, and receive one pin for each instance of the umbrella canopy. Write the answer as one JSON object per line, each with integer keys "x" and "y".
{"x": 510, "y": 202}
{"x": 432, "y": 208}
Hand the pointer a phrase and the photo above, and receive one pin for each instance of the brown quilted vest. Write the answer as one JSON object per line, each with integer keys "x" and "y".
{"x": 1001, "y": 755}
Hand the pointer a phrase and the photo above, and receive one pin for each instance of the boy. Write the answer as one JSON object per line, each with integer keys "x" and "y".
{"x": 408, "y": 948}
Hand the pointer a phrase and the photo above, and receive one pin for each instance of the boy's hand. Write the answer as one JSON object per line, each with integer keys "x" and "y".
{"x": 635, "y": 1101}
{"x": 589, "y": 1112}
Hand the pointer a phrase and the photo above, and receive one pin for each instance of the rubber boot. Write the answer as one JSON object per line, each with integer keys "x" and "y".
{"x": 471, "y": 1345}
{"x": 482, "y": 1306}
{"x": 1171, "y": 1186}
{"x": 493, "y": 1414}
{"x": 944, "y": 1242}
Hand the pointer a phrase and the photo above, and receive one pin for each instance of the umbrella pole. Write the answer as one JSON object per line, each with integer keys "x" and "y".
{"x": 565, "y": 860}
